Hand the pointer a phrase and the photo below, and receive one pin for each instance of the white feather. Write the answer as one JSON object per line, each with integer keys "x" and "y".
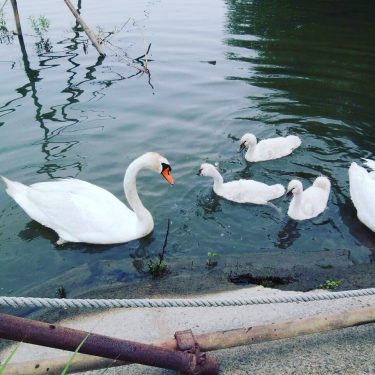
{"x": 242, "y": 191}
{"x": 309, "y": 203}
{"x": 268, "y": 149}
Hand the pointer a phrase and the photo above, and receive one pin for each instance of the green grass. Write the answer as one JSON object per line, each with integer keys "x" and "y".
{"x": 11, "y": 354}
{"x": 331, "y": 284}
{"x": 65, "y": 369}
{"x": 69, "y": 363}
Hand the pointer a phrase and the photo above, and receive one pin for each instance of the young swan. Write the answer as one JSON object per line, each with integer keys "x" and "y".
{"x": 242, "y": 191}
{"x": 268, "y": 149}
{"x": 311, "y": 202}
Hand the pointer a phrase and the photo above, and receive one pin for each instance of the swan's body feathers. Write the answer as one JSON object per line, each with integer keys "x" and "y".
{"x": 250, "y": 191}
{"x": 362, "y": 193}
{"x": 309, "y": 203}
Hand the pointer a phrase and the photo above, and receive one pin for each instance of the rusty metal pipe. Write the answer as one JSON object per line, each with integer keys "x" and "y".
{"x": 39, "y": 333}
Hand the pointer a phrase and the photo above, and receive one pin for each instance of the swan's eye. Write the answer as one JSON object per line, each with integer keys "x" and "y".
{"x": 165, "y": 166}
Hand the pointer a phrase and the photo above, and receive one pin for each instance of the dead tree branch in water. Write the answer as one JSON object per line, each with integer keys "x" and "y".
{"x": 91, "y": 35}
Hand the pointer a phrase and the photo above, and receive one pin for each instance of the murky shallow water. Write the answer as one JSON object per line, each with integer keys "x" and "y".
{"x": 218, "y": 69}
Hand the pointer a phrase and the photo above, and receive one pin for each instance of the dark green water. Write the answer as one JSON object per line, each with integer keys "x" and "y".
{"x": 290, "y": 67}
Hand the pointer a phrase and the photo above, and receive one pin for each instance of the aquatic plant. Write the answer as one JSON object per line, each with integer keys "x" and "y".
{"x": 5, "y": 35}
{"x": 40, "y": 25}
{"x": 331, "y": 284}
{"x": 212, "y": 259}
{"x": 60, "y": 292}
{"x": 159, "y": 267}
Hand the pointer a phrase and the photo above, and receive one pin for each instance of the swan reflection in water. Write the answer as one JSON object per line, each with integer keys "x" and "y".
{"x": 288, "y": 234}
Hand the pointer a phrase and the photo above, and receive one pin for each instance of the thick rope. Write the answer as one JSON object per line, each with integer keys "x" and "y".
{"x": 18, "y": 302}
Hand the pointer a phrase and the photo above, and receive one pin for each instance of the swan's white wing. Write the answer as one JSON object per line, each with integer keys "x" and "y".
{"x": 314, "y": 201}
{"x": 362, "y": 193}
{"x": 274, "y": 148}
{"x": 250, "y": 191}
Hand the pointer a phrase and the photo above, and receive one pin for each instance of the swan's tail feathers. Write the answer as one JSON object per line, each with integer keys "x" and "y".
{"x": 323, "y": 183}
{"x": 369, "y": 163}
{"x": 279, "y": 190}
{"x": 14, "y": 188}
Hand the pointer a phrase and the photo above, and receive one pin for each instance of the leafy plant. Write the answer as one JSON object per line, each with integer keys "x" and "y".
{"x": 3, "y": 26}
{"x": 60, "y": 292}
{"x": 157, "y": 268}
{"x": 40, "y": 25}
{"x": 331, "y": 284}
{"x": 212, "y": 259}
{"x": 5, "y": 35}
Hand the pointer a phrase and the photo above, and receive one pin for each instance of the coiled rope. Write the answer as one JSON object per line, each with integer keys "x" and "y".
{"x": 17, "y": 302}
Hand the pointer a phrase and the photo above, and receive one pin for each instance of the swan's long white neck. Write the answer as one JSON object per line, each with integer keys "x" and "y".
{"x": 218, "y": 178}
{"x": 250, "y": 151}
{"x": 130, "y": 188}
{"x": 297, "y": 198}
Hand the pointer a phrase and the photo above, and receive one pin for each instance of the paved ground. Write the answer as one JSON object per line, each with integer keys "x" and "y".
{"x": 348, "y": 351}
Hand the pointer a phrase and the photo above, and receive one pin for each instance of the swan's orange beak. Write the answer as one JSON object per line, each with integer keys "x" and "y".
{"x": 166, "y": 172}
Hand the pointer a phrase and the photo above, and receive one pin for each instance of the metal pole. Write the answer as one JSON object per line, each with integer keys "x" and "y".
{"x": 16, "y": 17}
{"x": 39, "y": 333}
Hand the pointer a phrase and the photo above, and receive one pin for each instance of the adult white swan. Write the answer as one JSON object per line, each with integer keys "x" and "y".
{"x": 311, "y": 202}
{"x": 362, "y": 192}
{"x": 242, "y": 191}
{"x": 268, "y": 149}
{"x": 82, "y": 212}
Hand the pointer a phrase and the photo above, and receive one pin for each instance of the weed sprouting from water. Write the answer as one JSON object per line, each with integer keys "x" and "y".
{"x": 5, "y": 35}
{"x": 331, "y": 284}
{"x": 212, "y": 259}
{"x": 159, "y": 267}
{"x": 40, "y": 26}
{"x": 60, "y": 292}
